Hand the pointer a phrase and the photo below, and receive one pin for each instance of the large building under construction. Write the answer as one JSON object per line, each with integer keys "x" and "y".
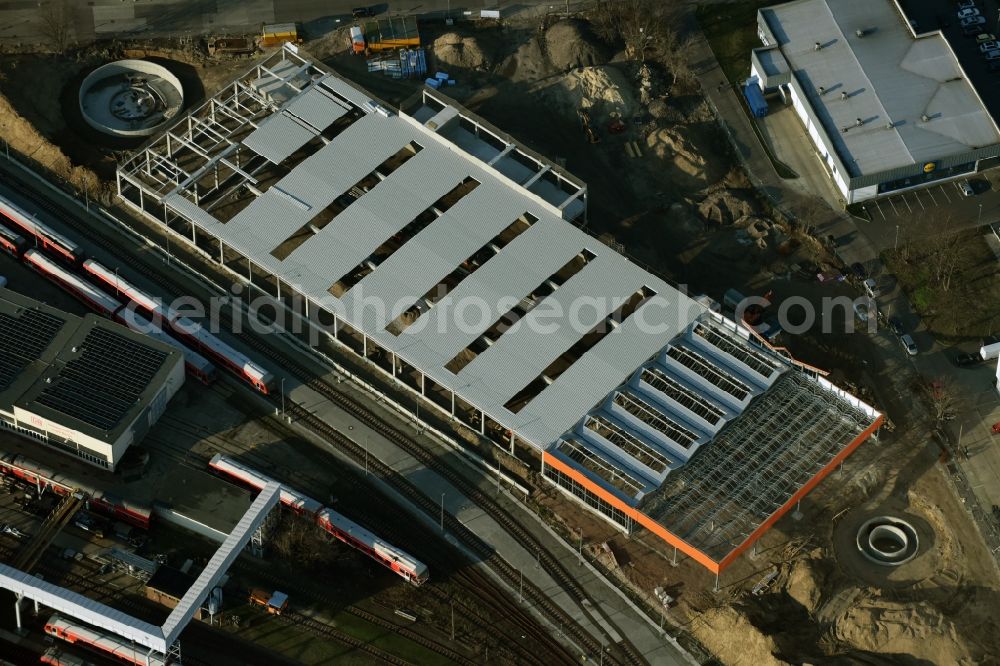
{"x": 451, "y": 257}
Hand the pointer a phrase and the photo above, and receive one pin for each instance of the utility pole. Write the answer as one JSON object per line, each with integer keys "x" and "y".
{"x": 442, "y": 513}
{"x": 282, "y": 398}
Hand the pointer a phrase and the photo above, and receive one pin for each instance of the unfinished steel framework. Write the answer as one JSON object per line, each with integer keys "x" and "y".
{"x": 383, "y": 229}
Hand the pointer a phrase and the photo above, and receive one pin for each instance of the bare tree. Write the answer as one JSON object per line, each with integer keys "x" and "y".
{"x": 57, "y": 20}
{"x": 939, "y": 395}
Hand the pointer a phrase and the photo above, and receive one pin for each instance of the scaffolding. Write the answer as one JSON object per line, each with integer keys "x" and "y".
{"x": 755, "y": 465}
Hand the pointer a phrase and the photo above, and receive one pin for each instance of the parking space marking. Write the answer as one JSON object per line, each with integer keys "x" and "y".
{"x": 880, "y": 211}
{"x": 944, "y": 191}
{"x": 907, "y": 203}
{"x": 896, "y": 212}
{"x": 917, "y": 197}
{"x": 930, "y": 193}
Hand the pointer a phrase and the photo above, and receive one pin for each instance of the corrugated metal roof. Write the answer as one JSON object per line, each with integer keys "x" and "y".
{"x": 317, "y": 108}
{"x": 277, "y": 137}
{"x": 436, "y": 251}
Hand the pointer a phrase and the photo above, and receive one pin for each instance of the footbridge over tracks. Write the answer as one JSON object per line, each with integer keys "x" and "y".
{"x": 163, "y": 639}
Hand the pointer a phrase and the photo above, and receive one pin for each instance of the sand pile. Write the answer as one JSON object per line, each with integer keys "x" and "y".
{"x": 453, "y": 50}
{"x": 725, "y": 207}
{"x": 527, "y": 63}
{"x": 571, "y": 44}
{"x": 599, "y": 90}
{"x": 910, "y": 628}
{"x": 685, "y": 159}
{"x": 733, "y": 639}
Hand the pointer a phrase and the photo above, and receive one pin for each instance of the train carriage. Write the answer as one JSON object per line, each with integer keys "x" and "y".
{"x": 196, "y": 364}
{"x": 44, "y": 236}
{"x": 190, "y": 331}
{"x": 59, "y": 657}
{"x": 77, "y": 633}
{"x": 11, "y": 243}
{"x": 92, "y": 296}
{"x": 344, "y": 529}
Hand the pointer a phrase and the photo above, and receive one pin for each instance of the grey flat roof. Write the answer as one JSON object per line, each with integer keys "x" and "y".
{"x": 890, "y": 77}
{"x": 502, "y": 196}
{"x": 90, "y": 375}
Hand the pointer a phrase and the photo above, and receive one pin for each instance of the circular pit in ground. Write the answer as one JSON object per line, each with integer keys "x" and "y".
{"x": 130, "y": 98}
{"x": 887, "y": 541}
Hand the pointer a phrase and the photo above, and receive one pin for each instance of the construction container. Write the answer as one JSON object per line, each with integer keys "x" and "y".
{"x": 279, "y": 33}
{"x": 274, "y": 602}
{"x": 755, "y": 99}
{"x": 391, "y": 33}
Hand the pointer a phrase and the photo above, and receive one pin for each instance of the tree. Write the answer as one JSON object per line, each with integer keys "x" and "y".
{"x": 57, "y": 21}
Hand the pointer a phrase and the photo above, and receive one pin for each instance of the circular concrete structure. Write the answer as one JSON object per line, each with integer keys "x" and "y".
{"x": 888, "y": 541}
{"x": 130, "y": 98}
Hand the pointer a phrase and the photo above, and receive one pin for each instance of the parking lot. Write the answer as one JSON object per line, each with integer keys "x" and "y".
{"x": 931, "y": 15}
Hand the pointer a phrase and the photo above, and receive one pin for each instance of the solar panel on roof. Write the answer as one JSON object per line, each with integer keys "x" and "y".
{"x": 22, "y": 340}
{"x": 105, "y": 381}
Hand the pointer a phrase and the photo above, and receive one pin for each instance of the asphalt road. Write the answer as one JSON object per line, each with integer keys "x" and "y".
{"x": 23, "y": 21}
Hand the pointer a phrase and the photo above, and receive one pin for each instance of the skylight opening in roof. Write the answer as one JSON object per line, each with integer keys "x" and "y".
{"x": 608, "y": 472}
{"x": 709, "y": 371}
{"x": 516, "y": 313}
{"x": 682, "y": 395}
{"x": 581, "y": 347}
{"x": 352, "y": 194}
{"x": 405, "y": 235}
{"x": 656, "y": 419}
{"x": 756, "y": 361}
{"x": 464, "y": 270}
{"x": 628, "y": 442}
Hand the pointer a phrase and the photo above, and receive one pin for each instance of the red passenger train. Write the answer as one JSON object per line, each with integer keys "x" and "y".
{"x": 20, "y": 467}
{"x": 404, "y": 565}
{"x": 43, "y": 236}
{"x": 191, "y": 332}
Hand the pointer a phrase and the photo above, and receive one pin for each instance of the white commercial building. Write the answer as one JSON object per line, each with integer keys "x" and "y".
{"x": 887, "y": 109}
{"x": 85, "y": 386}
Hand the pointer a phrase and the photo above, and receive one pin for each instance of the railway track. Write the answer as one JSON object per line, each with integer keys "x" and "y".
{"x": 543, "y": 649}
{"x": 541, "y": 601}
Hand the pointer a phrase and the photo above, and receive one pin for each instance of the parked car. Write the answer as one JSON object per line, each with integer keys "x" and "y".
{"x": 970, "y": 30}
{"x": 965, "y": 188}
{"x": 992, "y": 55}
{"x": 968, "y": 360}
{"x": 13, "y": 531}
{"x": 89, "y": 523}
{"x": 986, "y": 47}
{"x": 362, "y": 12}
{"x": 964, "y": 4}
{"x": 908, "y": 344}
{"x": 972, "y": 20}
{"x": 896, "y": 326}
{"x": 985, "y": 37}
{"x": 968, "y": 12}
{"x": 862, "y": 311}
{"x": 871, "y": 287}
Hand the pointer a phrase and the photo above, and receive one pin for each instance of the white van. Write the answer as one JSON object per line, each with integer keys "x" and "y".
{"x": 871, "y": 287}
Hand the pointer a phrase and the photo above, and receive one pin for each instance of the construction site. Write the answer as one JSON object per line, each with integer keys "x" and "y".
{"x": 762, "y": 497}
